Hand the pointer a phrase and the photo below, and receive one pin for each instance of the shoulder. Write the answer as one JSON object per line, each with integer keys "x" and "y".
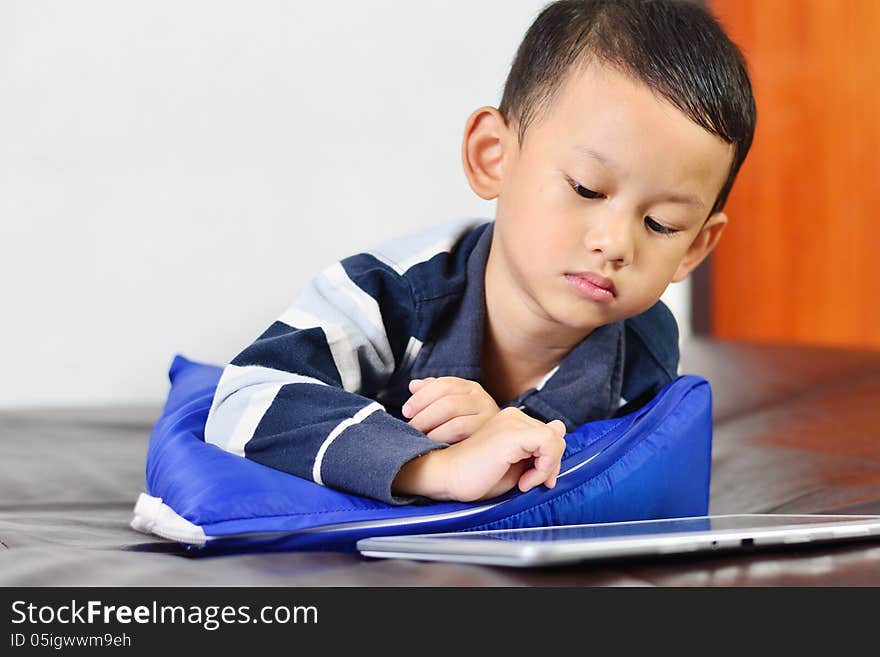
{"x": 404, "y": 270}
{"x": 402, "y": 254}
{"x": 651, "y": 353}
{"x": 433, "y": 262}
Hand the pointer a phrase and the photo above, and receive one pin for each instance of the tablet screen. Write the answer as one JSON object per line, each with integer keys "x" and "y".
{"x": 654, "y": 527}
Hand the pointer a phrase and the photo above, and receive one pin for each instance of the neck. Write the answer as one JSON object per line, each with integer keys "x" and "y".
{"x": 521, "y": 342}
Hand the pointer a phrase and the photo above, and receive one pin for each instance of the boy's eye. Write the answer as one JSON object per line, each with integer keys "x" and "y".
{"x": 658, "y": 227}
{"x": 586, "y": 193}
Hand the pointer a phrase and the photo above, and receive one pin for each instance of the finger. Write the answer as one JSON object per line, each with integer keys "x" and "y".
{"x": 531, "y": 478}
{"x": 553, "y": 463}
{"x": 409, "y": 408}
{"x": 430, "y": 391}
{"x": 441, "y": 411}
{"x": 550, "y": 455}
{"x": 545, "y": 464}
{"x": 554, "y": 474}
{"x": 417, "y": 384}
{"x": 545, "y": 471}
{"x": 547, "y": 446}
{"x": 558, "y": 426}
{"x": 539, "y": 441}
{"x": 455, "y": 430}
{"x": 508, "y": 481}
{"x": 450, "y": 381}
{"x": 549, "y": 467}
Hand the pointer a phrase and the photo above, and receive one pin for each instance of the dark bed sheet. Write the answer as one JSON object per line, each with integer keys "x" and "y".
{"x": 797, "y": 431}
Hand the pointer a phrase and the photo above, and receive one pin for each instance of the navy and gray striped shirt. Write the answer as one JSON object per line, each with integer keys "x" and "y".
{"x": 319, "y": 393}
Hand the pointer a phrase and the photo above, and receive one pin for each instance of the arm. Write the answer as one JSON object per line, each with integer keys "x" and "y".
{"x": 511, "y": 449}
{"x": 298, "y": 398}
{"x": 503, "y": 448}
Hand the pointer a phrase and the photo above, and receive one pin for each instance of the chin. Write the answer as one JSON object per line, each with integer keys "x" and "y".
{"x": 579, "y": 314}
{"x": 582, "y": 321}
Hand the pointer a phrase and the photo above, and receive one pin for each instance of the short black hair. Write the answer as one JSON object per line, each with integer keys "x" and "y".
{"x": 675, "y": 47}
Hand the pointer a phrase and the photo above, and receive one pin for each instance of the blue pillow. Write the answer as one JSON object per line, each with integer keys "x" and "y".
{"x": 652, "y": 463}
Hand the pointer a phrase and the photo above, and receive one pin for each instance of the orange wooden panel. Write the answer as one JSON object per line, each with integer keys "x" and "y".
{"x": 799, "y": 259}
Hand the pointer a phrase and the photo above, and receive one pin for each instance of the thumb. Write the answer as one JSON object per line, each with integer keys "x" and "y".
{"x": 558, "y": 426}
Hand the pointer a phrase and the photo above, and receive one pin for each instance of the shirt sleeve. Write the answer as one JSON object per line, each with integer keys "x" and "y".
{"x": 301, "y": 398}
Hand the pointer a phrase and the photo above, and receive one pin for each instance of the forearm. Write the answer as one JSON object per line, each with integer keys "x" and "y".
{"x": 512, "y": 449}
{"x": 424, "y": 476}
{"x": 318, "y": 432}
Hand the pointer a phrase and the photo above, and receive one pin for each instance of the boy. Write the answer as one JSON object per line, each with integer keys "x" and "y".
{"x": 450, "y": 364}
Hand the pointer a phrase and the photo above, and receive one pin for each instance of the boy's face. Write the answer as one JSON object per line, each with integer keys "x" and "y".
{"x": 606, "y": 201}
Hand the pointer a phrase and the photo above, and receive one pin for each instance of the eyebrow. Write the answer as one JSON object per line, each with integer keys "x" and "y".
{"x": 673, "y": 197}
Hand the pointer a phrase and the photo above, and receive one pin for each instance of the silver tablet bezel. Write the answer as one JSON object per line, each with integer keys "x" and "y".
{"x": 445, "y": 547}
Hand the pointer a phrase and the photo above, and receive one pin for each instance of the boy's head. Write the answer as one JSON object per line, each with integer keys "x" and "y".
{"x": 621, "y": 129}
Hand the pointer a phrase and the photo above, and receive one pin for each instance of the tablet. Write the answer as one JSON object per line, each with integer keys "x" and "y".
{"x": 643, "y": 538}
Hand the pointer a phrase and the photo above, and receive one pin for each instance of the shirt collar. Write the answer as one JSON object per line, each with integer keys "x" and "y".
{"x": 457, "y": 347}
{"x": 585, "y": 386}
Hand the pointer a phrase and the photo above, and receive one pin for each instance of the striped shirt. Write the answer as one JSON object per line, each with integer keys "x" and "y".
{"x": 319, "y": 393}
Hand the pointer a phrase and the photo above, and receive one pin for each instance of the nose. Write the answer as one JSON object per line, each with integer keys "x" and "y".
{"x": 610, "y": 236}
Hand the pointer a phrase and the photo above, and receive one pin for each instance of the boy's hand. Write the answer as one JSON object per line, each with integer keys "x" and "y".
{"x": 510, "y": 449}
{"x": 448, "y": 409}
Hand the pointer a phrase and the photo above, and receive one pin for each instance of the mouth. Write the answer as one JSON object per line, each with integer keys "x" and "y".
{"x": 592, "y": 285}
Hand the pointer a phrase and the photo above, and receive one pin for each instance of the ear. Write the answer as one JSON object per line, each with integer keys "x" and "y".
{"x": 702, "y": 245}
{"x": 486, "y": 136}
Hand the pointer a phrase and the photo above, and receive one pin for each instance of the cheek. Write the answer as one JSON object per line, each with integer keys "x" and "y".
{"x": 542, "y": 219}
{"x": 658, "y": 263}
{"x": 533, "y": 217}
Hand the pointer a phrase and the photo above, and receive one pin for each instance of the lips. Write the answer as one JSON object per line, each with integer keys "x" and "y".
{"x": 597, "y": 280}
{"x": 593, "y": 286}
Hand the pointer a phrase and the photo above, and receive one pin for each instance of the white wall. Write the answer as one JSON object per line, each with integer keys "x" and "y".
{"x": 171, "y": 173}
